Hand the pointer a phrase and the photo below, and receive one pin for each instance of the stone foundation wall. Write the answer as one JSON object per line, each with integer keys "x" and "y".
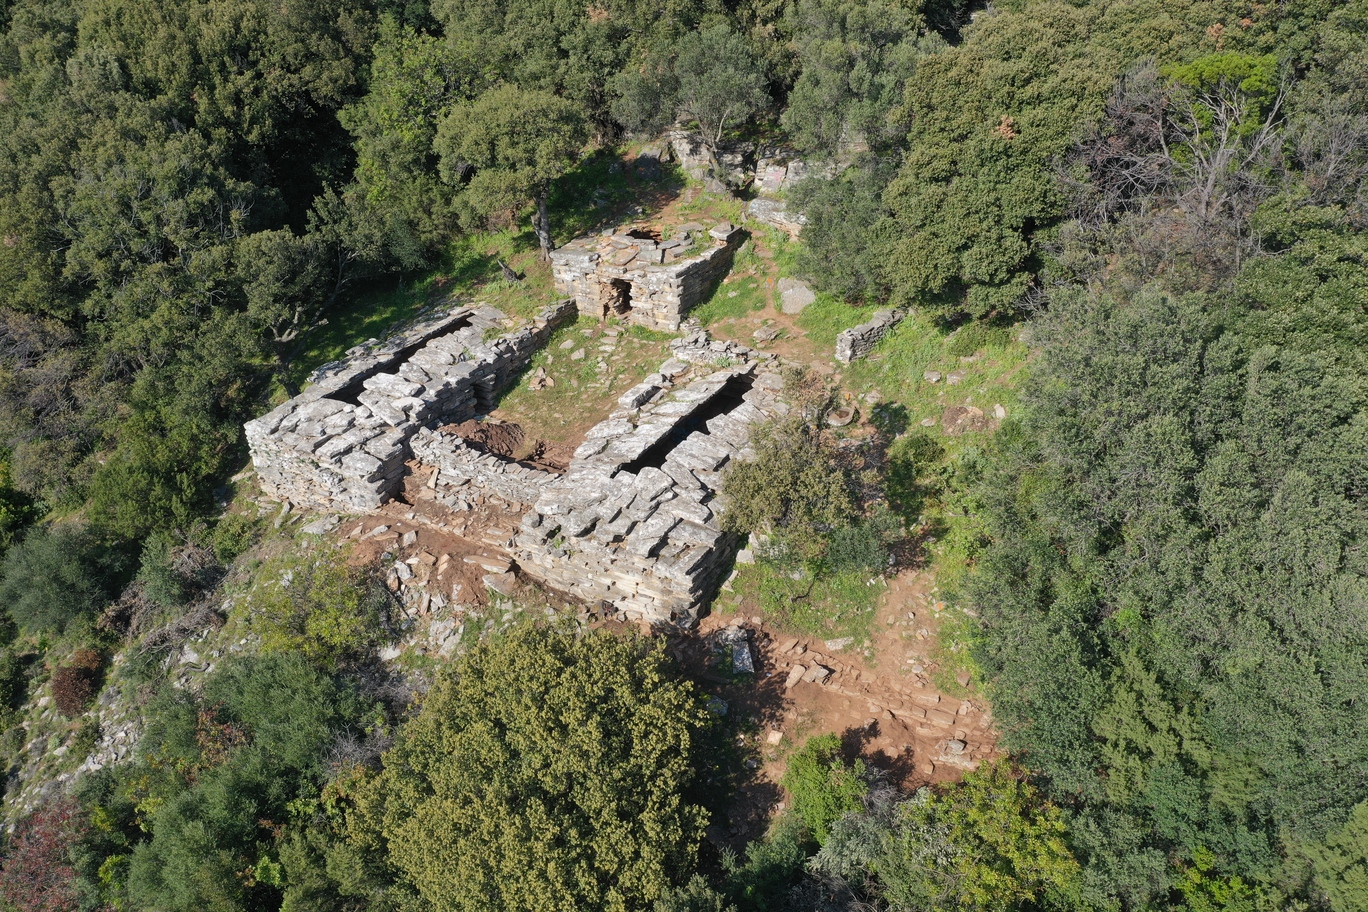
{"x": 662, "y": 285}
{"x": 633, "y": 522}
{"x": 462, "y": 469}
{"x": 858, "y": 341}
{"x": 342, "y": 443}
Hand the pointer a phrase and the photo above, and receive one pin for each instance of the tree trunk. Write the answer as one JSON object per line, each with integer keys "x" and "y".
{"x": 541, "y": 223}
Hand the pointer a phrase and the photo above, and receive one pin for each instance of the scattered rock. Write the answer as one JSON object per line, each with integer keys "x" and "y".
{"x": 577, "y": 355}
{"x": 955, "y": 376}
{"x": 838, "y": 644}
{"x": 503, "y": 583}
{"x": 409, "y": 538}
{"x": 999, "y": 412}
{"x": 963, "y": 678}
{"x": 817, "y": 674}
{"x": 774, "y": 737}
{"x": 717, "y": 706}
{"x": 745, "y": 556}
{"x": 931, "y": 376}
{"x": 742, "y": 661}
{"x": 766, "y": 334}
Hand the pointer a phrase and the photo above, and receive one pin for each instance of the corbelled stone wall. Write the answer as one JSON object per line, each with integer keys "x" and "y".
{"x": 342, "y": 443}
{"x": 642, "y": 280}
{"x": 858, "y": 341}
{"x": 633, "y": 522}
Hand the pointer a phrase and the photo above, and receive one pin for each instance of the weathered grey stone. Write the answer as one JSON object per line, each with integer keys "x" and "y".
{"x": 795, "y": 295}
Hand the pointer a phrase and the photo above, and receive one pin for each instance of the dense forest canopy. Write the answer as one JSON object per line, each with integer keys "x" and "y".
{"x": 1166, "y": 197}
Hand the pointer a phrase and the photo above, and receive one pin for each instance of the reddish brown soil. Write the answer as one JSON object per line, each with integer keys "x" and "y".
{"x": 886, "y": 713}
{"x": 507, "y": 439}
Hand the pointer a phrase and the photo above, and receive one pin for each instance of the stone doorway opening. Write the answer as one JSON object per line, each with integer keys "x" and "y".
{"x": 617, "y": 297}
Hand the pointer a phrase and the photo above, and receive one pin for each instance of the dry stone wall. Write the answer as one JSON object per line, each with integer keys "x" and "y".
{"x": 342, "y": 443}
{"x": 633, "y": 523}
{"x": 631, "y": 274}
{"x": 858, "y": 341}
{"x": 461, "y": 470}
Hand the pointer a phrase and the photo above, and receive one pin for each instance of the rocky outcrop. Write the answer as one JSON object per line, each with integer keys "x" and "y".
{"x": 632, "y": 526}
{"x": 858, "y": 341}
{"x": 641, "y": 278}
{"x": 342, "y": 443}
{"x": 776, "y": 214}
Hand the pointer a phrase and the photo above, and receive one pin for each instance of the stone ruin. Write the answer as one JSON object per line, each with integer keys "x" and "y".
{"x": 640, "y": 277}
{"x": 630, "y": 525}
{"x": 342, "y": 443}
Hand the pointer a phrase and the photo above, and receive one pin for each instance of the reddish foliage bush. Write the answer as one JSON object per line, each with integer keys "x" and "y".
{"x": 36, "y": 875}
{"x": 75, "y": 684}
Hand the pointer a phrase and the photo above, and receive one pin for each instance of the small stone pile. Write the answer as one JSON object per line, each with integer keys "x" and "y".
{"x": 696, "y": 346}
{"x": 632, "y": 274}
{"x": 342, "y": 443}
{"x": 632, "y": 526}
{"x": 859, "y": 341}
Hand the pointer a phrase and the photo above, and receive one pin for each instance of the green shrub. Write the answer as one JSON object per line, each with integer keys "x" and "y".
{"x": 823, "y": 786}
{"x": 975, "y": 336}
{"x": 795, "y": 486}
{"x": 319, "y": 606}
{"x": 234, "y": 534}
{"x": 863, "y": 545}
{"x": 758, "y": 883}
{"x": 55, "y": 576}
{"x": 13, "y": 681}
{"x": 546, "y": 764}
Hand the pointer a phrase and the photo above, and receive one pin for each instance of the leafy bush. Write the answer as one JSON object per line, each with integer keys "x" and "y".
{"x": 795, "y": 486}
{"x": 12, "y": 682}
{"x": 319, "y": 606}
{"x": 863, "y": 545}
{"x": 757, "y": 883}
{"x": 823, "y": 786}
{"x": 846, "y": 237}
{"x": 218, "y": 775}
{"x": 552, "y": 765}
{"x": 695, "y": 896}
{"x": 990, "y": 843}
{"x": 976, "y": 336}
{"x": 74, "y": 685}
{"x": 55, "y": 576}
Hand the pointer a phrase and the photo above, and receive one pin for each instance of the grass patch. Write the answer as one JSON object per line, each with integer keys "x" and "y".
{"x": 833, "y": 605}
{"x": 581, "y": 393}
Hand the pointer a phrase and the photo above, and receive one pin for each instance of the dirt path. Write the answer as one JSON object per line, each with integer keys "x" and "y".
{"x": 885, "y": 707}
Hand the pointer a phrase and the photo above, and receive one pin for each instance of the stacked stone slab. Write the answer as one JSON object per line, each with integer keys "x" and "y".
{"x": 859, "y": 341}
{"x": 342, "y": 443}
{"x": 633, "y": 522}
{"x": 462, "y": 470}
{"x": 644, "y": 281}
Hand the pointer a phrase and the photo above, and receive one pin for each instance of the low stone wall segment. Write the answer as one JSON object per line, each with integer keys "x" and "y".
{"x": 858, "y": 341}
